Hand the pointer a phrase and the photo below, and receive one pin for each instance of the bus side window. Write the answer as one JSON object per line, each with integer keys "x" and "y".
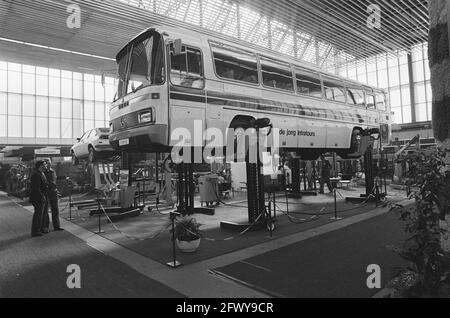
{"x": 381, "y": 101}
{"x": 308, "y": 84}
{"x": 276, "y": 75}
{"x": 187, "y": 68}
{"x": 355, "y": 97}
{"x": 334, "y": 91}
{"x": 370, "y": 101}
{"x": 235, "y": 64}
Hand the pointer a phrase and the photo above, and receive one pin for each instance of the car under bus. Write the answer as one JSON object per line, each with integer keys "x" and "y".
{"x": 170, "y": 78}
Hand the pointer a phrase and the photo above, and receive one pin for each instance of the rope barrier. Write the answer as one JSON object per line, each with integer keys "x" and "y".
{"x": 228, "y": 238}
{"x": 132, "y": 237}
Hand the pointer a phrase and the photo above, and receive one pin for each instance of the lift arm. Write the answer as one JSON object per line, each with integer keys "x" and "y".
{"x": 405, "y": 147}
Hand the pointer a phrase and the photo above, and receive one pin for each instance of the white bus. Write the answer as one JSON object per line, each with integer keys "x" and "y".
{"x": 169, "y": 77}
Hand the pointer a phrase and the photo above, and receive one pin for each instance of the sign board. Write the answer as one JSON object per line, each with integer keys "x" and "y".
{"x": 10, "y": 160}
{"x": 47, "y": 152}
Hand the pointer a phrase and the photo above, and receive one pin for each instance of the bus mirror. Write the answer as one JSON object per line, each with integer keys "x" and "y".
{"x": 177, "y": 47}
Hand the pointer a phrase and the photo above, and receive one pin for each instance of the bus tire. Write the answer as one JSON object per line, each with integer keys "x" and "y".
{"x": 353, "y": 146}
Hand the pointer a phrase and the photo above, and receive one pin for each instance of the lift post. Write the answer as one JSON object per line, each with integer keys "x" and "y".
{"x": 186, "y": 192}
{"x": 296, "y": 180}
{"x": 297, "y": 192}
{"x": 373, "y": 193}
{"x": 257, "y": 218}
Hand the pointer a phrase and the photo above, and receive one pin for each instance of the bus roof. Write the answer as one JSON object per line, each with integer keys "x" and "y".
{"x": 193, "y": 35}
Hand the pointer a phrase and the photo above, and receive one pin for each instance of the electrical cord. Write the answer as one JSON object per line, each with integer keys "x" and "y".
{"x": 129, "y": 236}
{"x": 226, "y": 239}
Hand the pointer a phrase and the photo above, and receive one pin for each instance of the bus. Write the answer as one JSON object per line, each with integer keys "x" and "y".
{"x": 171, "y": 78}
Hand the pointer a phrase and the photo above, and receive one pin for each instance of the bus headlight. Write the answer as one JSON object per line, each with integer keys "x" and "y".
{"x": 145, "y": 117}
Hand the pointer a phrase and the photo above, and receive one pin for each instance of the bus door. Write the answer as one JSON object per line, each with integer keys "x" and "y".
{"x": 187, "y": 102}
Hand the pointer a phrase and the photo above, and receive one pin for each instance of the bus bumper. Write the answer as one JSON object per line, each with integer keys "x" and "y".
{"x": 140, "y": 139}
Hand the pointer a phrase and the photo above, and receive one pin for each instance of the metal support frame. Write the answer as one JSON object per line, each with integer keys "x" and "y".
{"x": 297, "y": 192}
{"x": 296, "y": 180}
{"x": 186, "y": 192}
{"x": 373, "y": 193}
{"x": 257, "y": 213}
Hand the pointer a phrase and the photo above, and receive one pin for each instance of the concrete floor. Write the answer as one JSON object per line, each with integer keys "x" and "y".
{"x": 131, "y": 255}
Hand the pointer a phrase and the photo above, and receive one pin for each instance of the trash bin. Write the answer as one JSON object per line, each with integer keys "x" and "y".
{"x": 209, "y": 189}
{"x": 335, "y": 182}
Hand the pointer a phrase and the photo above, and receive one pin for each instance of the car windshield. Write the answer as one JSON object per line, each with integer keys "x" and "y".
{"x": 141, "y": 64}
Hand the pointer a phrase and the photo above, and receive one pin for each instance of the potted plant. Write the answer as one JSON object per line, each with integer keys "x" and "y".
{"x": 187, "y": 234}
{"x": 429, "y": 272}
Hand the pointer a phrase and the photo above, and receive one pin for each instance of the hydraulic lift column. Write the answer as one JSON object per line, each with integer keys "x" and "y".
{"x": 186, "y": 192}
{"x": 373, "y": 193}
{"x": 296, "y": 179}
{"x": 255, "y": 190}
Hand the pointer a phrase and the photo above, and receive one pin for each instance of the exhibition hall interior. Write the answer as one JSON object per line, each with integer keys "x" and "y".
{"x": 224, "y": 149}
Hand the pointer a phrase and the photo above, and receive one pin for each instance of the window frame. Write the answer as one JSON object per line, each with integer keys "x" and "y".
{"x": 385, "y": 101}
{"x": 371, "y": 92}
{"x": 169, "y": 65}
{"x": 84, "y": 136}
{"x": 258, "y": 66}
{"x": 337, "y": 80}
{"x": 349, "y": 86}
{"x": 131, "y": 45}
{"x": 275, "y": 61}
{"x": 319, "y": 77}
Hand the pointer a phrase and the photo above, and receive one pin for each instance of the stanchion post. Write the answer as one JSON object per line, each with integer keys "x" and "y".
{"x": 100, "y": 231}
{"x": 335, "y": 218}
{"x": 174, "y": 263}
{"x": 269, "y": 221}
{"x": 70, "y": 202}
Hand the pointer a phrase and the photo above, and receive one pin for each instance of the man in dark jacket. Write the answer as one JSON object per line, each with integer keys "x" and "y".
{"x": 38, "y": 197}
{"x": 52, "y": 199}
{"x": 325, "y": 174}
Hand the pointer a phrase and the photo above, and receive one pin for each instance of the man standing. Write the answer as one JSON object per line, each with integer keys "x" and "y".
{"x": 52, "y": 196}
{"x": 325, "y": 173}
{"x": 38, "y": 197}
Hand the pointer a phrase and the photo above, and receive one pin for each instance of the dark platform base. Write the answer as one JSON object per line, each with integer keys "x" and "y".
{"x": 205, "y": 211}
{"x": 363, "y": 199}
{"x": 241, "y": 227}
{"x": 126, "y": 215}
{"x": 309, "y": 193}
{"x": 295, "y": 195}
{"x": 175, "y": 264}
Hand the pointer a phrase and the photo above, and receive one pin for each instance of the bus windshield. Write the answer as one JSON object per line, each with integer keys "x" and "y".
{"x": 141, "y": 64}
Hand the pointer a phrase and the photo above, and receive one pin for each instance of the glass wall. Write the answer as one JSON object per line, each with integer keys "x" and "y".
{"x": 394, "y": 74}
{"x": 51, "y": 106}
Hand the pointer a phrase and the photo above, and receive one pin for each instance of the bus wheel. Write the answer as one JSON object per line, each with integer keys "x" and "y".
{"x": 239, "y": 125}
{"x": 356, "y": 140}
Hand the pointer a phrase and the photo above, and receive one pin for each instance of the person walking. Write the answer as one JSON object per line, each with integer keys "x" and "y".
{"x": 38, "y": 197}
{"x": 52, "y": 198}
{"x": 325, "y": 173}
